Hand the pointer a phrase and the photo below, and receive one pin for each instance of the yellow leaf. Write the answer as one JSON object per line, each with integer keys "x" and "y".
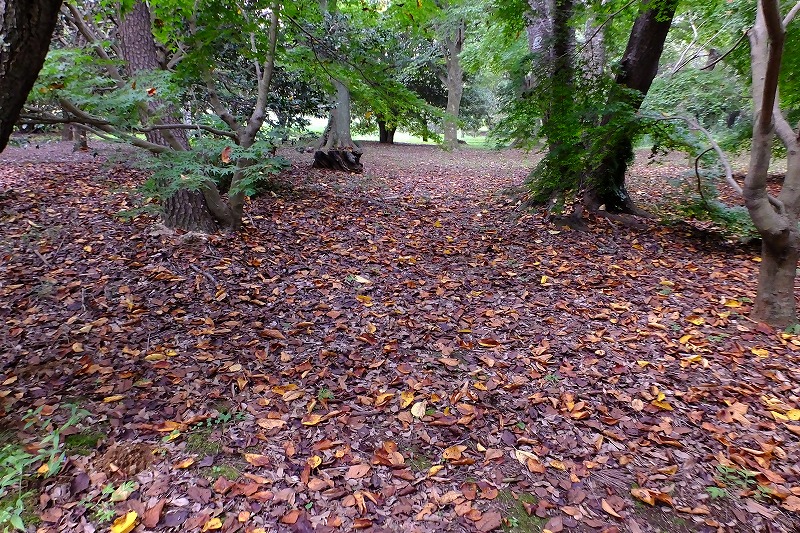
{"x": 418, "y": 409}
{"x": 437, "y": 224}
{"x": 544, "y": 280}
{"x": 42, "y": 470}
{"x": 685, "y": 339}
{"x": 644, "y": 495}
{"x": 383, "y": 398}
{"x": 311, "y": 420}
{"x": 607, "y": 508}
{"x": 186, "y": 463}
{"x": 696, "y": 320}
{"x": 453, "y": 452}
{"x": 733, "y": 303}
{"x": 314, "y": 461}
{"x": 793, "y": 414}
{"x": 642, "y": 363}
{"x": 435, "y": 469}
{"x": 125, "y": 524}
{"x": 662, "y": 404}
{"x": 214, "y": 523}
{"x": 115, "y": 398}
{"x": 759, "y": 352}
{"x": 558, "y": 465}
{"x": 406, "y": 399}
{"x": 778, "y": 416}
{"x": 153, "y": 357}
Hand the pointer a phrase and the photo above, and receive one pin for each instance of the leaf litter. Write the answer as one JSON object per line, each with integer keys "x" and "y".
{"x": 404, "y": 350}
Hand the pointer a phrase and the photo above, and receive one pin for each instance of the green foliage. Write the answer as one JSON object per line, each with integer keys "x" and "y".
{"x": 206, "y": 160}
{"x": 17, "y": 464}
{"x": 102, "y": 505}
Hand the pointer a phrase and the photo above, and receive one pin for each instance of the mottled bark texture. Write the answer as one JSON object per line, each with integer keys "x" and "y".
{"x": 26, "y": 27}
{"x": 185, "y": 209}
{"x": 776, "y": 221}
{"x": 638, "y": 68}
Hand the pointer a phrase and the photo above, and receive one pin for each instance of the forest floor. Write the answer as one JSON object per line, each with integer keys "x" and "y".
{"x": 405, "y": 350}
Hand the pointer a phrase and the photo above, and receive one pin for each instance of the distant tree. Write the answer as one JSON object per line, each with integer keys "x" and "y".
{"x": 26, "y": 27}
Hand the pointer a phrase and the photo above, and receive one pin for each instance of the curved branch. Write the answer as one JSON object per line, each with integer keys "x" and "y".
{"x": 111, "y": 130}
{"x": 791, "y": 14}
{"x": 726, "y": 54}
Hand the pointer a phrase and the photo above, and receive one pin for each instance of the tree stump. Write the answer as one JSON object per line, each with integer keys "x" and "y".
{"x": 344, "y": 160}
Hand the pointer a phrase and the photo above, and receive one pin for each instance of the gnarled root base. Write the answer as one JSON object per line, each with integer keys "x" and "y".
{"x": 343, "y": 160}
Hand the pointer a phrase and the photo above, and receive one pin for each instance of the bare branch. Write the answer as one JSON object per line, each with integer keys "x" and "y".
{"x": 602, "y": 24}
{"x": 726, "y": 54}
{"x": 782, "y": 126}
{"x": 264, "y": 81}
{"x": 776, "y": 33}
{"x": 202, "y": 127}
{"x": 76, "y": 18}
{"x": 791, "y": 14}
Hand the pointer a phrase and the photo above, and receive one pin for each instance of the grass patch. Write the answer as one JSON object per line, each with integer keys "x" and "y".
{"x": 517, "y": 519}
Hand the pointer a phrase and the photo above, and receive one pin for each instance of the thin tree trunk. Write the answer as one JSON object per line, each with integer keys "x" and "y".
{"x": 26, "y": 27}
{"x": 185, "y": 209}
{"x": 638, "y": 69}
{"x": 453, "y": 44}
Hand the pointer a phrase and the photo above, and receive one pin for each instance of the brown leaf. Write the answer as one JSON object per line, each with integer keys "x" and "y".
{"x": 152, "y": 516}
{"x": 607, "y": 508}
{"x": 357, "y": 471}
{"x": 256, "y": 459}
{"x": 489, "y": 521}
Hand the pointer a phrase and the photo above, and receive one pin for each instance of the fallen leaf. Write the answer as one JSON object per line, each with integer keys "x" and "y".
{"x": 125, "y": 524}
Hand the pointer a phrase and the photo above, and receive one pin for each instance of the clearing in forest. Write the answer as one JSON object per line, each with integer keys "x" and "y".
{"x": 404, "y": 350}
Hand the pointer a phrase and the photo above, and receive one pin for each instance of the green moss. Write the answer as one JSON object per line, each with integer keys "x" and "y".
{"x": 83, "y": 443}
{"x": 199, "y": 441}
{"x": 517, "y": 519}
{"x": 215, "y": 472}
{"x": 418, "y": 460}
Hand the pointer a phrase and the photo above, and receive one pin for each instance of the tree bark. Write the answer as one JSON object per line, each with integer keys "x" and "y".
{"x": 776, "y": 221}
{"x": 185, "y": 209}
{"x": 337, "y": 151}
{"x": 453, "y": 44}
{"x": 26, "y": 27}
{"x": 385, "y": 133}
{"x": 638, "y": 68}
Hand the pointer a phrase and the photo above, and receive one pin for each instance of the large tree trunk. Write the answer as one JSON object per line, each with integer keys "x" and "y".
{"x": 26, "y": 27}
{"x": 336, "y": 150}
{"x": 453, "y": 43}
{"x": 385, "y": 133}
{"x": 775, "y": 219}
{"x": 185, "y": 209}
{"x": 638, "y": 69}
{"x": 775, "y": 299}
